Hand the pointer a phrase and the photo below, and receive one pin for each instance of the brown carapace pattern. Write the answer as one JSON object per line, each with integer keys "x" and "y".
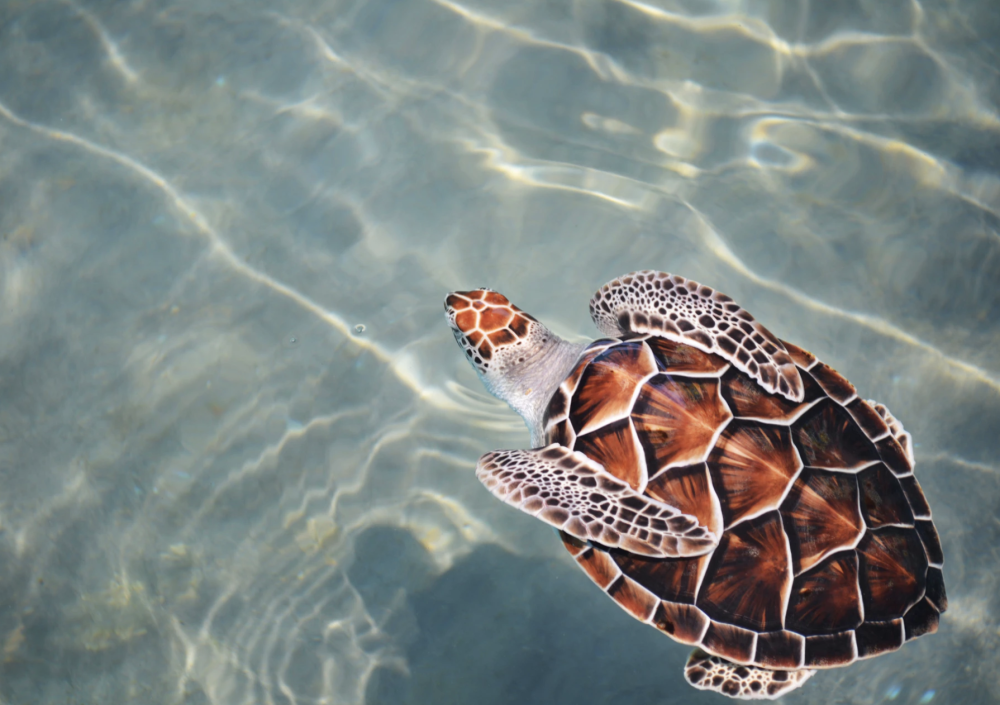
{"x": 485, "y": 321}
{"x": 827, "y": 552}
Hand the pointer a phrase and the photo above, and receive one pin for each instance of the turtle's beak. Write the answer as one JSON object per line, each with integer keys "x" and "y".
{"x": 453, "y": 303}
{"x": 464, "y": 310}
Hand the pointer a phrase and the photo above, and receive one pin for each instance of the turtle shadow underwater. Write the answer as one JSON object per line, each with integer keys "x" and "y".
{"x": 499, "y": 628}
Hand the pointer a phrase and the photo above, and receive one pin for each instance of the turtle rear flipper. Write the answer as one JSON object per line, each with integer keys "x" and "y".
{"x": 571, "y": 492}
{"x": 707, "y": 672}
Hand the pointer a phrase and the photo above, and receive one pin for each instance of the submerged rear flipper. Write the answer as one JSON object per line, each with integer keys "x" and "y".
{"x": 707, "y": 672}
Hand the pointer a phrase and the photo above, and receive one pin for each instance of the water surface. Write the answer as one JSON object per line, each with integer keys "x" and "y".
{"x": 236, "y": 436}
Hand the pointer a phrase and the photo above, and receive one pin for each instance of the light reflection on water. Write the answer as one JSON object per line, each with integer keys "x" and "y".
{"x": 236, "y": 438}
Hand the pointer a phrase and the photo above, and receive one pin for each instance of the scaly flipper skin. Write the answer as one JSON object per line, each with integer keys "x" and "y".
{"x": 707, "y": 672}
{"x": 566, "y": 489}
{"x": 687, "y": 312}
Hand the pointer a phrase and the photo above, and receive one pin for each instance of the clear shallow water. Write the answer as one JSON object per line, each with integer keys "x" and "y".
{"x": 215, "y": 488}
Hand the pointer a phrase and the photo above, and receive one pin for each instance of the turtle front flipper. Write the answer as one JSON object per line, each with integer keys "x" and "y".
{"x": 687, "y": 312}
{"x": 571, "y": 492}
{"x": 707, "y": 672}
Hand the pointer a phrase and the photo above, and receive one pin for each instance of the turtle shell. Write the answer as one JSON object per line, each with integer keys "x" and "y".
{"x": 827, "y": 552}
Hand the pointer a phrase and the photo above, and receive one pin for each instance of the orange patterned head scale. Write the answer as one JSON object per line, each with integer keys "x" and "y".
{"x": 489, "y": 327}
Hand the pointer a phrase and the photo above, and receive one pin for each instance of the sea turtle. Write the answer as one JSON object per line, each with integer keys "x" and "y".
{"x": 720, "y": 484}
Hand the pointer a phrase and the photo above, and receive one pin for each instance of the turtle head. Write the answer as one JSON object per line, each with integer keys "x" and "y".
{"x": 494, "y": 333}
{"x": 517, "y": 358}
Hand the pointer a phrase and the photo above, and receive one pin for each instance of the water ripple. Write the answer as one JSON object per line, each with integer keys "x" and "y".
{"x": 236, "y": 439}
